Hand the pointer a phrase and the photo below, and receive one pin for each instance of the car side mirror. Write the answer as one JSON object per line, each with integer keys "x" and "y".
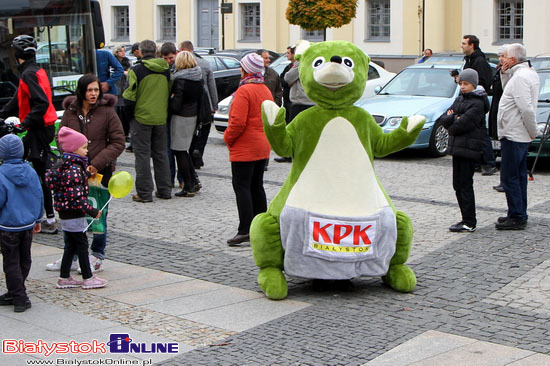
{"x": 377, "y": 89}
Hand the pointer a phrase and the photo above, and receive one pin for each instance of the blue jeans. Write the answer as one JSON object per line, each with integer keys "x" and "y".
{"x": 513, "y": 177}
{"x": 488, "y": 155}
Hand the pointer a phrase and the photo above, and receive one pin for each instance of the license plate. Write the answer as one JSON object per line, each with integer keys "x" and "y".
{"x": 496, "y": 144}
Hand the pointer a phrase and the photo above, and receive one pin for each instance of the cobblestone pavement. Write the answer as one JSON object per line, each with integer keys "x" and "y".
{"x": 489, "y": 285}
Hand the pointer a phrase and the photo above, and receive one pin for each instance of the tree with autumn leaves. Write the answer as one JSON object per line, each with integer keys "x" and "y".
{"x": 320, "y": 14}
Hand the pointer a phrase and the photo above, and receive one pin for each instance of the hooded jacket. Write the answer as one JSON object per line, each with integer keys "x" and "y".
{"x": 21, "y": 198}
{"x": 148, "y": 91}
{"x": 187, "y": 91}
{"x": 466, "y": 125}
{"x": 101, "y": 126}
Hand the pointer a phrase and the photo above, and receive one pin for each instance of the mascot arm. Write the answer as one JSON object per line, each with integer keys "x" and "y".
{"x": 403, "y": 136}
{"x": 273, "y": 118}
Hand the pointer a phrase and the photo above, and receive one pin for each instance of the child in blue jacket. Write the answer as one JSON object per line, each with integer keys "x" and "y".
{"x": 21, "y": 208}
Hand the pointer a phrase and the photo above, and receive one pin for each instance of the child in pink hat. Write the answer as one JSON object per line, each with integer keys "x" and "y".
{"x": 69, "y": 183}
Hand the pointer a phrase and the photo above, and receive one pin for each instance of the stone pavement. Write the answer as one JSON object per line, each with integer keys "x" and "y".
{"x": 481, "y": 299}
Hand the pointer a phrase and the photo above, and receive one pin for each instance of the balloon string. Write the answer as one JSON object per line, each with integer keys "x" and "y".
{"x": 93, "y": 218}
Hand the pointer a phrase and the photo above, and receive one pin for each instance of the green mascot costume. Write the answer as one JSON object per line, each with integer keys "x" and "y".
{"x": 332, "y": 219}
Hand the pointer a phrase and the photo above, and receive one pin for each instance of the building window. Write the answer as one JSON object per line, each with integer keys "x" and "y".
{"x": 250, "y": 22}
{"x": 167, "y": 15}
{"x": 378, "y": 22}
{"x": 121, "y": 16}
{"x": 313, "y": 36}
{"x": 510, "y": 20}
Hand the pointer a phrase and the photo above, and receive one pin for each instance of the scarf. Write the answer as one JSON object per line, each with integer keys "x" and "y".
{"x": 255, "y": 78}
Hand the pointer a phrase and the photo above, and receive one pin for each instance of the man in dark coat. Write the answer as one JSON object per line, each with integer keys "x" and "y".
{"x": 271, "y": 78}
{"x": 475, "y": 59}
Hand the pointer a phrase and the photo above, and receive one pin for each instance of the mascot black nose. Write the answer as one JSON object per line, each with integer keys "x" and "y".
{"x": 336, "y": 59}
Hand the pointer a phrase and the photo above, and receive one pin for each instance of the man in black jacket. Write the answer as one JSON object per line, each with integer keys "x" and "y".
{"x": 475, "y": 59}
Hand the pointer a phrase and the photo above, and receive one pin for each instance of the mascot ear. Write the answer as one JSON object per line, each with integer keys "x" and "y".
{"x": 301, "y": 47}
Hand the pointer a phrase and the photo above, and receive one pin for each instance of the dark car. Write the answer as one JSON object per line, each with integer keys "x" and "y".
{"x": 239, "y": 53}
{"x": 227, "y": 73}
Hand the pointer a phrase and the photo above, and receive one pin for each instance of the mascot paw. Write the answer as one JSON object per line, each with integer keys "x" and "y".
{"x": 415, "y": 121}
{"x": 401, "y": 278}
{"x": 271, "y": 110}
{"x": 272, "y": 281}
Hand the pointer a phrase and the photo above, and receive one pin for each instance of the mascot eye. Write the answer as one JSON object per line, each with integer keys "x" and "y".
{"x": 348, "y": 62}
{"x": 318, "y": 62}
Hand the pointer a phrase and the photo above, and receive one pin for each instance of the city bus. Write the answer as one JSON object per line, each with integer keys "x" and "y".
{"x": 67, "y": 33}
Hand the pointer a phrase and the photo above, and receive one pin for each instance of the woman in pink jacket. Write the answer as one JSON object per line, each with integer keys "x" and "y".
{"x": 248, "y": 146}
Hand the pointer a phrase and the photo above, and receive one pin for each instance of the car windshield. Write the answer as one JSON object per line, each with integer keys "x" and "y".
{"x": 541, "y": 63}
{"x": 544, "y": 93}
{"x": 429, "y": 82}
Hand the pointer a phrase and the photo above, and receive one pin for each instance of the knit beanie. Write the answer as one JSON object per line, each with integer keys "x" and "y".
{"x": 11, "y": 147}
{"x": 70, "y": 139}
{"x": 469, "y": 75}
{"x": 252, "y": 63}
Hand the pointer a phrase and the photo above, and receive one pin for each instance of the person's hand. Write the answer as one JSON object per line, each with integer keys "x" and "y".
{"x": 92, "y": 169}
{"x": 105, "y": 86}
{"x": 449, "y": 112}
{"x": 98, "y": 215}
{"x": 37, "y": 227}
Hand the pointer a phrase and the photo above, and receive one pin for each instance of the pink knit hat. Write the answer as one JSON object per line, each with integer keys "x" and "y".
{"x": 70, "y": 139}
{"x": 252, "y": 63}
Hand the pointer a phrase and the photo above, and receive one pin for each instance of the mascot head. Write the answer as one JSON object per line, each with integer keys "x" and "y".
{"x": 333, "y": 73}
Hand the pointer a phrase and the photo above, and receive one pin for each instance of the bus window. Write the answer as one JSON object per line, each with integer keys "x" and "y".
{"x": 65, "y": 37}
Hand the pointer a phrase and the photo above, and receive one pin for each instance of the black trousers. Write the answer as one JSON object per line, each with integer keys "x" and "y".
{"x": 199, "y": 141}
{"x": 186, "y": 168}
{"x": 40, "y": 169}
{"x": 16, "y": 255}
{"x": 248, "y": 184}
{"x": 463, "y": 184}
{"x": 75, "y": 243}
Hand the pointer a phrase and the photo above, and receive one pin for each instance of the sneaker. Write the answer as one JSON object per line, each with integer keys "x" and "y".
{"x": 501, "y": 219}
{"x": 489, "y": 170}
{"x": 68, "y": 283}
{"x": 137, "y": 198}
{"x": 56, "y": 265}
{"x": 19, "y": 308}
{"x": 163, "y": 196}
{"x": 511, "y": 224}
{"x": 96, "y": 264}
{"x": 6, "y": 299}
{"x": 499, "y": 188}
{"x": 184, "y": 193}
{"x": 461, "y": 226}
{"x": 48, "y": 228}
{"x": 93, "y": 282}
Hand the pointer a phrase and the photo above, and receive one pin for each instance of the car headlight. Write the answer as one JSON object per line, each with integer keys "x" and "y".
{"x": 540, "y": 129}
{"x": 394, "y": 121}
{"x": 223, "y": 109}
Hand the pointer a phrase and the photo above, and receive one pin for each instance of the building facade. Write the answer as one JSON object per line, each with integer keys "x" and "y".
{"x": 396, "y": 31}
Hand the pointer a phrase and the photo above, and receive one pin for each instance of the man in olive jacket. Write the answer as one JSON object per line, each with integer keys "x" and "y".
{"x": 147, "y": 100}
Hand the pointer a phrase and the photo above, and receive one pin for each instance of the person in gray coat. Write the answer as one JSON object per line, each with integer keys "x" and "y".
{"x": 199, "y": 141}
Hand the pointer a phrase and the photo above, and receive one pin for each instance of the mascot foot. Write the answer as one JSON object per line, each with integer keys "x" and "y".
{"x": 272, "y": 281}
{"x": 401, "y": 278}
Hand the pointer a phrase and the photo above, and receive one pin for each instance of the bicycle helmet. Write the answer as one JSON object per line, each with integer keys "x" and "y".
{"x": 24, "y": 46}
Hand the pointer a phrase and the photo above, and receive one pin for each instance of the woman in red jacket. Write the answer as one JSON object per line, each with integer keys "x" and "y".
{"x": 248, "y": 146}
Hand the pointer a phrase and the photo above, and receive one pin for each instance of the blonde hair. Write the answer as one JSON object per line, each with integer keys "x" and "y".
{"x": 118, "y": 48}
{"x": 185, "y": 60}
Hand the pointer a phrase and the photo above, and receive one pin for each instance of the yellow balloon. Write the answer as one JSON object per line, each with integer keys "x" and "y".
{"x": 120, "y": 184}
